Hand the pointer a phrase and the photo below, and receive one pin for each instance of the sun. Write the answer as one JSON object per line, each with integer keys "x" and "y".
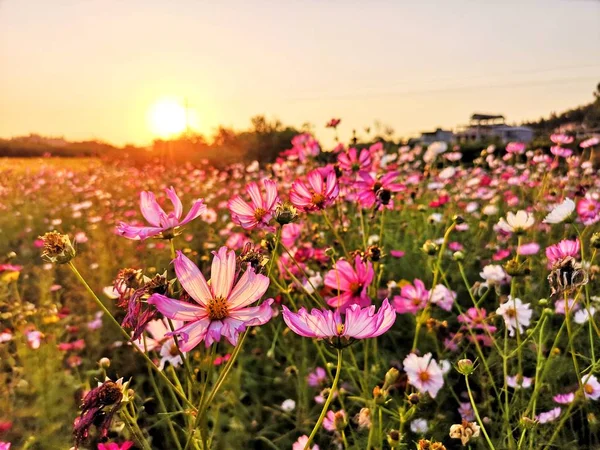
{"x": 167, "y": 117}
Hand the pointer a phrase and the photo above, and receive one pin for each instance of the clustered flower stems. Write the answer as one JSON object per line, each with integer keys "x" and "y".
{"x": 436, "y": 273}
{"x": 126, "y": 335}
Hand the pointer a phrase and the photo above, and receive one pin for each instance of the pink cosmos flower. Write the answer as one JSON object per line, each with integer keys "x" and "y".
{"x": 412, "y": 298}
{"x": 34, "y": 338}
{"x": 557, "y": 150}
{"x": 466, "y": 411}
{"x": 397, "y": 253}
{"x": 549, "y": 416}
{"x": 588, "y": 210}
{"x": 529, "y": 249}
{"x": 562, "y": 250}
{"x": 6, "y": 446}
{"x": 317, "y": 378}
{"x": 476, "y": 319}
{"x": 259, "y": 212}
{"x": 329, "y": 422}
{"x": 300, "y": 444}
{"x": 290, "y": 233}
{"x": 351, "y": 162}
{"x": 222, "y": 308}
{"x": 590, "y": 142}
{"x": 318, "y": 192}
{"x": 515, "y": 147}
{"x": 351, "y": 284}
{"x": 359, "y": 323}
{"x": 591, "y": 387}
{"x": 564, "y": 399}
{"x": 561, "y": 139}
{"x": 160, "y": 221}
{"x": 372, "y": 191}
{"x": 424, "y": 373}
{"x": 443, "y": 297}
{"x": 114, "y": 446}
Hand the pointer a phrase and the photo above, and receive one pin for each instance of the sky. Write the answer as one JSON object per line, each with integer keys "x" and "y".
{"x": 94, "y": 68}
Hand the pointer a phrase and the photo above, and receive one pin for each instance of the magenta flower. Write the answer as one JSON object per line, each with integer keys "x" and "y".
{"x": 588, "y": 210}
{"x": 515, "y": 147}
{"x": 259, "y": 212}
{"x": 162, "y": 224}
{"x": 114, "y": 446}
{"x": 412, "y": 298}
{"x": 562, "y": 250}
{"x": 221, "y": 308}
{"x": 359, "y": 323}
{"x": 376, "y": 191}
{"x": 590, "y": 142}
{"x": 316, "y": 193}
{"x": 561, "y": 139}
{"x": 350, "y": 284}
{"x": 351, "y": 161}
{"x": 557, "y": 150}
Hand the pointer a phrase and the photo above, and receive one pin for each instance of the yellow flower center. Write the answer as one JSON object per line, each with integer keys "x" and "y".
{"x": 259, "y": 213}
{"x": 217, "y": 308}
{"x": 317, "y": 199}
{"x": 340, "y": 329}
{"x": 424, "y": 377}
{"x": 589, "y": 390}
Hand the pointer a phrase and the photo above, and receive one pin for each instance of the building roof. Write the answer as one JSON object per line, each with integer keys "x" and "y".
{"x": 479, "y": 116}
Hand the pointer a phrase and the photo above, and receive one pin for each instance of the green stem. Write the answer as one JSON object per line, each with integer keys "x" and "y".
{"x": 127, "y": 336}
{"x": 476, "y": 411}
{"x": 328, "y": 401}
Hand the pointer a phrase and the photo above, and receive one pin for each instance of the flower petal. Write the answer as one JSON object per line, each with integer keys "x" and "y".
{"x": 192, "y": 279}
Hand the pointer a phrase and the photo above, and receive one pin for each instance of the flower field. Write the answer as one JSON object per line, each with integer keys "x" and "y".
{"x": 355, "y": 298}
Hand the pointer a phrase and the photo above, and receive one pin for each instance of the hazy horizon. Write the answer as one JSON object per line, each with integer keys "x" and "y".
{"x": 86, "y": 70}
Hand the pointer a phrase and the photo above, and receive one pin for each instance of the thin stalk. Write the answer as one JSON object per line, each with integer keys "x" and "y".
{"x": 328, "y": 401}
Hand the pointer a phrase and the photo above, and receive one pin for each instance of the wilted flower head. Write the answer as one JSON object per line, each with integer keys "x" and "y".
{"x": 221, "y": 308}
{"x": 567, "y": 275}
{"x": 359, "y": 323}
{"x": 363, "y": 418}
{"x": 98, "y": 408}
{"x": 57, "y": 248}
{"x": 464, "y": 431}
{"x": 162, "y": 225}
{"x": 335, "y": 421}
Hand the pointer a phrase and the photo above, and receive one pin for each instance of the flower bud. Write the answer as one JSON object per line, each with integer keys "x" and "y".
{"x": 104, "y": 363}
{"x": 430, "y": 247}
{"x": 527, "y": 422}
{"x": 458, "y": 219}
{"x": 57, "y": 248}
{"x": 390, "y": 378}
{"x": 414, "y": 399}
{"x": 394, "y": 438}
{"x": 458, "y": 256}
{"x": 285, "y": 213}
{"x": 595, "y": 240}
{"x": 543, "y": 301}
{"x": 378, "y": 395}
{"x": 465, "y": 367}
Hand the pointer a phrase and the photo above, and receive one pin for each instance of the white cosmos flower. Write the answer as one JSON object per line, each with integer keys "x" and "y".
{"x": 419, "y": 426}
{"x": 490, "y": 210}
{"x": 561, "y": 212}
{"x": 515, "y": 223}
{"x": 516, "y": 314}
{"x": 583, "y": 315}
{"x": 288, "y": 405}
{"x": 494, "y": 274}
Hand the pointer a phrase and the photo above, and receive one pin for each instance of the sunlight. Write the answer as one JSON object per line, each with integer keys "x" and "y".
{"x": 167, "y": 117}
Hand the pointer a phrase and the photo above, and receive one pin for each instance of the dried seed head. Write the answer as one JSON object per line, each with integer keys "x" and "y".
{"x": 57, "y": 248}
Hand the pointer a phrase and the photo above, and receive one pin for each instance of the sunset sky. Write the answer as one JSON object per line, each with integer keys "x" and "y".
{"x": 95, "y": 68}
